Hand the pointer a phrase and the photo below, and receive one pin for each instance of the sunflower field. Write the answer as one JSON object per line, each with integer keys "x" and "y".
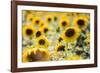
{"x": 55, "y": 36}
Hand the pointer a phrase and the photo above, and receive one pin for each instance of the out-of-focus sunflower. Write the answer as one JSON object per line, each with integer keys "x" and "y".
{"x": 42, "y": 42}
{"x": 81, "y": 22}
{"x": 35, "y": 54}
{"x": 28, "y": 30}
{"x": 64, "y": 22}
{"x": 71, "y": 34}
{"x": 45, "y": 28}
{"x": 38, "y": 33}
{"x": 73, "y": 57}
{"x": 36, "y": 21}
{"x": 43, "y": 24}
{"x": 59, "y": 47}
{"x": 29, "y": 17}
{"x": 49, "y": 18}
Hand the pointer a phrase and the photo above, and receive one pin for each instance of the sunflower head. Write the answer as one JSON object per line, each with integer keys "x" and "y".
{"x": 81, "y": 22}
{"x": 49, "y": 18}
{"x": 60, "y": 47}
{"x": 28, "y": 31}
{"x": 35, "y": 54}
{"x": 37, "y": 21}
{"x": 29, "y": 17}
{"x": 38, "y": 33}
{"x": 45, "y": 29}
{"x": 64, "y": 22}
{"x": 42, "y": 42}
{"x": 71, "y": 34}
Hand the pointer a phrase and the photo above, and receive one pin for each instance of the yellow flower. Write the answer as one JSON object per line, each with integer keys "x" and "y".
{"x": 59, "y": 47}
{"x": 73, "y": 57}
{"x": 71, "y": 34}
{"x": 43, "y": 24}
{"x": 28, "y": 30}
{"x": 29, "y": 17}
{"x": 42, "y": 42}
{"x": 36, "y": 21}
{"x": 45, "y": 29}
{"x": 35, "y": 54}
{"x": 81, "y": 22}
{"x": 38, "y": 33}
{"x": 49, "y": 18}
{"x": 64, "y": 22}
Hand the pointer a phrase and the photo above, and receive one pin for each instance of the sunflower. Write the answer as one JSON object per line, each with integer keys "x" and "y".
{"x": 38, "y": 33}
{"x": 73, "y": 57}
{"x": 35, "y": 54}
{"x": 36, "y": 21}
{"x": 64, "y": 22}
{"x": 45, "y": 29}
{"x": 42, "y": 42}
{"x": 28, "y": 30}
{"x": 81, "y": 22}
{"x": 71, "y": 34}
{"x": 29, "y": 17}
{"x": 49, "y": 18}
{"x": 43, "y": 24}
{"x": 59, "y": 47}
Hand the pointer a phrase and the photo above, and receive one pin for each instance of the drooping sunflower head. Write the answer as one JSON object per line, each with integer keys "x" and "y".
{"x": 42, "y": 42}
{"x": 64, "y": 22}
{"x": 81, "y": 22}
{"x": 59, "y": 47}
{"x": 28, "y": 31}
{"x": 35, "y": 54}
{"x": 71, "y": 34}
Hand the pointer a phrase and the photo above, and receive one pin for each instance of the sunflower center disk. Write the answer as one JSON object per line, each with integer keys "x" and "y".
{"x": 61, "y": 48}
{"x": 49, "y": 19}
{"x": 64, "y": 23}
{"x": 41, "y": 42}
{"x": 45, "y": 30}
{"x": 29, "y": 32}
{"x": 38, "y": 34}
{"x": 81, "y": 22}
{"x": 70, "y": 32}
{"x": 37, "y": 21}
